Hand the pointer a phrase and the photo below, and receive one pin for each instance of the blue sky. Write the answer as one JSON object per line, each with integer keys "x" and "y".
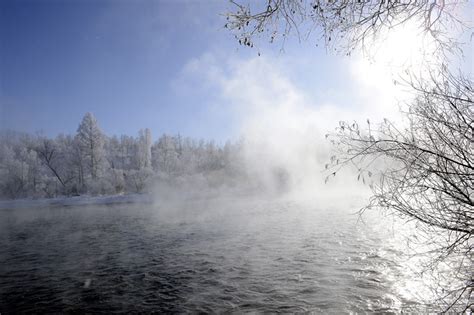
{"x": 122, "y": 61}
{"x": 166, "y": 65}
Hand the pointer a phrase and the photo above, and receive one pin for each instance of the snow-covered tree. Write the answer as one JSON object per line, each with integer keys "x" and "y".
{"x": 71, "y": 164}
{"x": 90, "y": 162}
{"x": 50, "y": 156}
{"x": 144, "y": 149}
{"x": 165, "y": 157}
{"x": 128, "y": 153}
{"x": 90, "y": 140}
{"x": 13, "y": 173}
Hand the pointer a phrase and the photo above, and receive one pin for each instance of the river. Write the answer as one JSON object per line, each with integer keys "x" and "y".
{"x": 202, "y": 256}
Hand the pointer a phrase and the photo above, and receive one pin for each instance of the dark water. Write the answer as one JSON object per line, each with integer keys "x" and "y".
{"x": 207, "y": 256}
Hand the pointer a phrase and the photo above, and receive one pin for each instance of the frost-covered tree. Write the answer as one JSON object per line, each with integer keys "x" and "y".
{"x": 90, "y": 140}
{"x": 90, "y": 162}
{"x": 72, "y": 164}
{"x": 30, "y": 158}
{"x": 13, "y": 173}
{"x": 49, "y": 154}
{"x": 112, "y": 150}
{"x": 165, "y": 156}
{"x": 144, "y": 148}
{"x": 128, "y": 153}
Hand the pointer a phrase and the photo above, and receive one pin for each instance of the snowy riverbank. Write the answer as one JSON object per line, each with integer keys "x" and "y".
{"x": 74, "y": 201}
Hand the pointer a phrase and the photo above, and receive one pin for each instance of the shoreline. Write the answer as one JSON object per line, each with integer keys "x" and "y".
{"x": 83, "y": 200}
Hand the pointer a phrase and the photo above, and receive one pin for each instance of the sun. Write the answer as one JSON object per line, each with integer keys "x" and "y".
{"x": 405, "y": 47}
{"x": 389, "y": 59}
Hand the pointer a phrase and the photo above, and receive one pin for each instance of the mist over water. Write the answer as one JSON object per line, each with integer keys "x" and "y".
{"x": 213, "y": 255}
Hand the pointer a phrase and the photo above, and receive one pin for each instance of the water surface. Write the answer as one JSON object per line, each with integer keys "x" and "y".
{"x": 211, "y": 256}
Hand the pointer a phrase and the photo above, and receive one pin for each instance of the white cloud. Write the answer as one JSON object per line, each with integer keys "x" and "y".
{"x": 283, "y": 128}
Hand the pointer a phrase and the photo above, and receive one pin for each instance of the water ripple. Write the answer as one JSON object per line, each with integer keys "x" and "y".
{"x": 267, "y": 257}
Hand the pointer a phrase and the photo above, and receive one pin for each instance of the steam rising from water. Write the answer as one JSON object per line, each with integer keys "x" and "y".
{"x": 215, "y": 255}
{"x": 283, "y": 130}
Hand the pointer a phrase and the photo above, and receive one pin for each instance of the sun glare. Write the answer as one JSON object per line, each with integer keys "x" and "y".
{"x": 401, "y": 48}
{"x": 393, "y": 55}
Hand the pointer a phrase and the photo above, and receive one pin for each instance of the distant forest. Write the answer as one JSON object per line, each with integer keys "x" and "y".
{"x": 89, "y": 162}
